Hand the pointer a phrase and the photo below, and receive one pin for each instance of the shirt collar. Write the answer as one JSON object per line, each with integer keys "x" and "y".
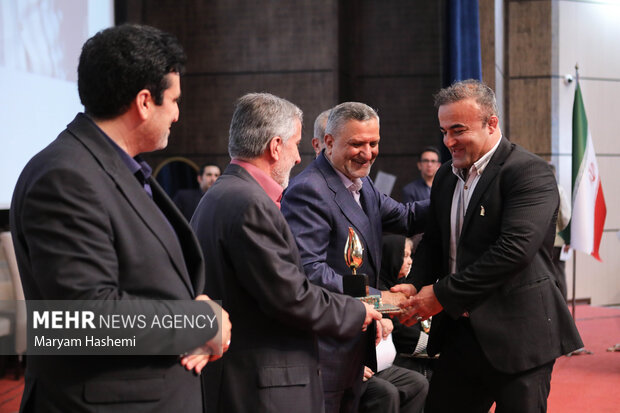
{"x": 479, "y": 166}
{"x": 271, "y": 187}
{"x": 357, "y": 182}
{"x": 135, "y": 164}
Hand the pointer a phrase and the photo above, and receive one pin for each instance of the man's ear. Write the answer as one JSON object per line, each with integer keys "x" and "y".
{"x": 275, "y": 146}
{"x": 329, "y": 143}
{"x": 144, "y": 103}
{"x": 492, "y": 123}
{"x": 315, "y": 145}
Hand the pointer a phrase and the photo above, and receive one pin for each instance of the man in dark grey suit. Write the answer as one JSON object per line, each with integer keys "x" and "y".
{"x": 90, "y": 223}
{"x": 484, "y": 269}
{"x": 253, "y": 266}
{"x": 332, "y": 194}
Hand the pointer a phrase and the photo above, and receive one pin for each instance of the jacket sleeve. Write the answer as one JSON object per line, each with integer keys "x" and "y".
{"x": 65, "y": 232}
{"x": 406, "y": 219}
{"x": 272, "y": 273}
{"x": 525, "y": 195}
{"x": 304, "y": 208}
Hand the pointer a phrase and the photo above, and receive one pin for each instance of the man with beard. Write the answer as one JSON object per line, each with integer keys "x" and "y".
{"x": 483, "y": 269}
{"x": 254, "y": 267}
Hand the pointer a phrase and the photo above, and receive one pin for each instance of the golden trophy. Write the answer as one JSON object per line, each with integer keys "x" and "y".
{"x": 356, "y": 285}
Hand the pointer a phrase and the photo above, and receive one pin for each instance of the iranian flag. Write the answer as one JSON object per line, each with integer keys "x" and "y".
{"x": 585, "y": 229}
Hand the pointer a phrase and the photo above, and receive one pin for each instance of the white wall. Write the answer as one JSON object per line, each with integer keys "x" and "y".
{"x": 40, "y": 43}
{"x": 588, "y": 33}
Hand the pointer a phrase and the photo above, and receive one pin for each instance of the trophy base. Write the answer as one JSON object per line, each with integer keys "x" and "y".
{"x": 355, "y": 285}
{"x": 375, "y": 301}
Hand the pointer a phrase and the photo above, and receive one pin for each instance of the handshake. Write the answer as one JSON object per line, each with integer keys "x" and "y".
{"x": 416, "y": 305}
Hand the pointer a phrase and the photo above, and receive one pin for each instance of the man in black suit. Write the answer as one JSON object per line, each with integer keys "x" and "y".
{"x": 187, "y": 199}
{"x": 253, "y": 266}
{"x": 484, "y": 269}
{"x": 90, "y": 223}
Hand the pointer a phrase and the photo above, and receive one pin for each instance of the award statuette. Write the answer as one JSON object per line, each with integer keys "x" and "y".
{"x": 356, "y": 285}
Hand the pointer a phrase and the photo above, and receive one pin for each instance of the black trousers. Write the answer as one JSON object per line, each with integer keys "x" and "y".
{"x": 464, "y": 381}
{"x": 393, "y": 390}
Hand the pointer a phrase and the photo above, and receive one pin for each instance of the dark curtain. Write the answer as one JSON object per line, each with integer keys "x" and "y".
{"x": 463, "y": 36}
{"x": 462, "y": 51}
{"x": 176, "y": 175}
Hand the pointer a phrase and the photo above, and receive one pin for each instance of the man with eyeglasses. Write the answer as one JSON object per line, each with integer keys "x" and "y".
{"x": 420, "y": 189}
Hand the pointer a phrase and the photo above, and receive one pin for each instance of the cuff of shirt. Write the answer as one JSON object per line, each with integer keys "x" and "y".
{"x": 422, "y": 342}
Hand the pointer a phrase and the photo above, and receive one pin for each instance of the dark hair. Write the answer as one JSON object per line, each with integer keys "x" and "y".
{"x": 430, "y": 149}
{"x": 466, "y": 89}
{"x": 116, "y": 63}
{"x": 202, "y": 168}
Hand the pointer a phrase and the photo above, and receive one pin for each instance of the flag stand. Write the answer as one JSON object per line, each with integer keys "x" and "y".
{"x": 582, "y": 350}
{"x": 574, "y": 283}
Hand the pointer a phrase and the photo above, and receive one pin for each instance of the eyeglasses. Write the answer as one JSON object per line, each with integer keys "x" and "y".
{"x": 431, "y": 161}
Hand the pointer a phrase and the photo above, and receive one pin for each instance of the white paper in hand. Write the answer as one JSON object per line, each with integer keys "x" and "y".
{"x": 386, "y": 352}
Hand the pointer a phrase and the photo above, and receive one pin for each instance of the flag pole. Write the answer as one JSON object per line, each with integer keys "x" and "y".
{"x": 574, "y": 283}
{"x": 575, "y": 252}
{"x": 582, "y": 350}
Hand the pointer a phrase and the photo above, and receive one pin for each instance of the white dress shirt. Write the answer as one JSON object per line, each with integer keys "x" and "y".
{"x": 467, "y": 181}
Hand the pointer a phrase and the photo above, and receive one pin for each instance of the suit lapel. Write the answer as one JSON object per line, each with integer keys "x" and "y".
{"x": 347, "y": 205}
{"x": 489, "y": 174}
{"x": 133, "y": 192}
{"x": 177, "y": 238}
{"x": 371, "y": 206}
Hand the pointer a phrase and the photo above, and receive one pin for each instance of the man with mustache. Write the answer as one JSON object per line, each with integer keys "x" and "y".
{"x": 483, "y": 269}
{"x": 253, "y": 266}
{"x": 329, "y": 196}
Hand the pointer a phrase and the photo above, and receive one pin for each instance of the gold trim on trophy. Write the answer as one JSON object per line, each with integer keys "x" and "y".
{"x": 353, "y": 251}
{"x": 357, "y": 284}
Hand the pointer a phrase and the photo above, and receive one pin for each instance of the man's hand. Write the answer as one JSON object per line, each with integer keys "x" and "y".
{"x": 384, "y": 328}
{"x": 394, "y": 298}
{"x": 407, "y": 289}
{"x": 422, "y": 306}
{"x": 218, "y": 348}
{"x": 367, "y": 373}
{"x": 407, "y": 316}
{"x": 214, "y": 348}
{"x": 371, "y": 314}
